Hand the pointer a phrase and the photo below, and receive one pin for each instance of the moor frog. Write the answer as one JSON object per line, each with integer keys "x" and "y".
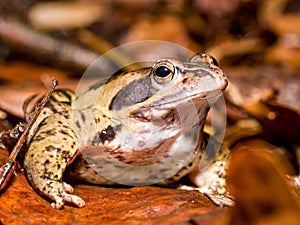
{"x": 144, "y": 119}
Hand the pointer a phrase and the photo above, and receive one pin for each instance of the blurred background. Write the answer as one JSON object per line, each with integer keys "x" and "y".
{"x": 256, "y": 42}
{"x": 236, "y": 32}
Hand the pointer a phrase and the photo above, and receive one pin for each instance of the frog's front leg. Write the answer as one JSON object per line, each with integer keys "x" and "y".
{"x": 211, "y": 180}
{"x": 51, "y": 149}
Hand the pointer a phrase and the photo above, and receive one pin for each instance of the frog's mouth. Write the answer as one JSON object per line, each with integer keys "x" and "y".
{"x": 187, "y": 110}
{"x": 173, "y": 100}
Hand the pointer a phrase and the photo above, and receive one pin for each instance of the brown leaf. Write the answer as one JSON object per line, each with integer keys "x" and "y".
{"x": 20, "y": 204}
{"x": 167, "y": 28}
{"x": 261, "y": 193}
{"x": 64, "y": 15}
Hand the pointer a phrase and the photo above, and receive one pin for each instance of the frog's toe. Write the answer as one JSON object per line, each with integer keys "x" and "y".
{"x": 75, "y": 200}
{"x": 60, "y": 200}
{"x": 221, "y": 198}
{"x": 72, "y": 198}
{"x": 68, "y": 188}
{"x": 60, "y": 193}
{"x": 59, "y": 203}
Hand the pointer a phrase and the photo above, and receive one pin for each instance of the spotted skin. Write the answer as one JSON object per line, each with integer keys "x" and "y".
{"x": 211, "y": 180}
{"x": 48, "y": 156}
{"x": 138, "y": 103}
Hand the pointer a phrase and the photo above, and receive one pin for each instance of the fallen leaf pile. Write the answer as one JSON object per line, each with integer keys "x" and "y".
{"x": 257, "y": 44}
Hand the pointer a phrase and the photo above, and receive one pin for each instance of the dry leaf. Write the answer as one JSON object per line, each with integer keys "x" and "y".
{"x": 261, "y": 192}
{"x": 64, "y": 14}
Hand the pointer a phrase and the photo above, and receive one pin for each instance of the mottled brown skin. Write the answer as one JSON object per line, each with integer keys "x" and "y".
{"x": 137, "y": 103}
{"x": 51, "y": 149}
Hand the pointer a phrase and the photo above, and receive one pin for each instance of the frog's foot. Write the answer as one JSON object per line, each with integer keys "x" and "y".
{"x": 220, "y": 198}
{"x": 60, "y": 193}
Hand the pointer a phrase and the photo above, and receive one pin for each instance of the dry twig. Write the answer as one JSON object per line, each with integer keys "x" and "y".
{"x": 23, "y": 38}
{"x": 6, "y": 169}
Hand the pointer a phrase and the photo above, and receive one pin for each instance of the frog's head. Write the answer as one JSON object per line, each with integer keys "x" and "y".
{"x": 157, "y": 114}
{"x": 152, "y": 93}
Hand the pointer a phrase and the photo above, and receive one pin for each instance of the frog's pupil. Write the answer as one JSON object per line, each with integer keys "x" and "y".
{"x": 162, "y": 71}
{"x": 214, "y": 61}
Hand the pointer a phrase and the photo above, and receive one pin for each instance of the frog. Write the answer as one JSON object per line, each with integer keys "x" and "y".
{"x": 152, "y": 117}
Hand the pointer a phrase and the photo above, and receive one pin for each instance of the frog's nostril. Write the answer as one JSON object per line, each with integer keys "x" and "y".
{"x": 184, "y": 80}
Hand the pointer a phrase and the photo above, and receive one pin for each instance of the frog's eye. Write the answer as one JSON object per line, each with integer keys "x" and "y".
{"x": 163, "y": 72}
{"x": 214, "y": 61}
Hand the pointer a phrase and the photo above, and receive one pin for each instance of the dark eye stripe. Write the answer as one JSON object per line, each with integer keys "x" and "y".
{"x": 135, "y": 92}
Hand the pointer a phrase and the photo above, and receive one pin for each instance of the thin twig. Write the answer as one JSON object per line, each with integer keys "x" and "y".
{"x": 6, "y": 169}
{"x": 46, "y": 48}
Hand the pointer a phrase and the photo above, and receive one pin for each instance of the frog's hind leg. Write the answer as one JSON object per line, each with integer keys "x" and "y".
{"x": 211, "y": 180}
{"x": 51, "y": 149}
